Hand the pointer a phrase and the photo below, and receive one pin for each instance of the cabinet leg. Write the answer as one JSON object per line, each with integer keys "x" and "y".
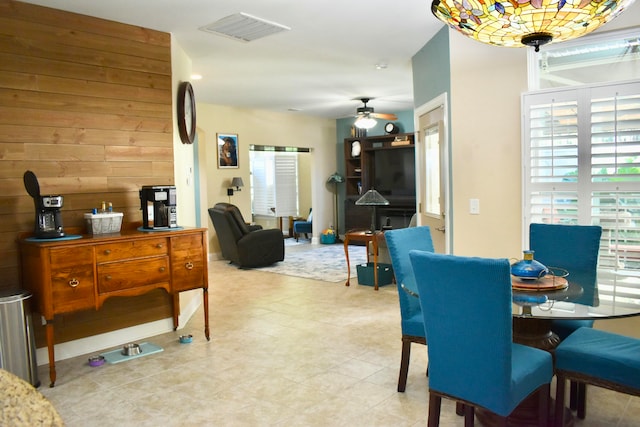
{"x": 52, "y": 355}
{"x": 205, "y": 301}
{"x": 176, "y": 310}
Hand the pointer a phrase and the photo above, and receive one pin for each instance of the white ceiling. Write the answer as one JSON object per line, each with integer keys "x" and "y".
{"x": 319, "y": 67}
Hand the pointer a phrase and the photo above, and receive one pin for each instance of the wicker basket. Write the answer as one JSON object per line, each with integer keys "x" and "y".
{"x": 103, "y": 223}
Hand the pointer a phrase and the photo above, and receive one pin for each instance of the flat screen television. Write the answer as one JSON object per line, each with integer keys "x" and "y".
{"x": 395, "y": 172}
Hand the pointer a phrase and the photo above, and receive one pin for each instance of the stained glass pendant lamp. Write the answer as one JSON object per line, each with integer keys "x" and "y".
{"x": 516, "y": 23}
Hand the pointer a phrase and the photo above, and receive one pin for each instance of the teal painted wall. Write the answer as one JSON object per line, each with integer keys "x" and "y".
{"x": 431, "y": 69}
{"x": 431, "y": 78}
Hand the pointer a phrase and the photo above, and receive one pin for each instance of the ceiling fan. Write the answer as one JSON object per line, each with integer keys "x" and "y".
{"x": 365, "y": 117}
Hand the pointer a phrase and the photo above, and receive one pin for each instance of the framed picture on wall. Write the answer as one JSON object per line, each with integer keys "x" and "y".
{"x": 227, "y": 150}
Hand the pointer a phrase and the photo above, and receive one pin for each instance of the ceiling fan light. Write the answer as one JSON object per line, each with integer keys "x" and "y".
{"x": 365, "y": 122}
{"x": 531, "y": 23}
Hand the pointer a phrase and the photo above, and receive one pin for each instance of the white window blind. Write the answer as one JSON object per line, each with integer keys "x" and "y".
{"x": 286, "y": 177}
{"x": 274, "y": 183}
{"x": 581, "y": 157}
{"x": 262, "y": 182}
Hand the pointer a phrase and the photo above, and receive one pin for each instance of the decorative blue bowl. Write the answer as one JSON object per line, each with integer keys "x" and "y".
{"x": 529, "y": 268}
{"x": 186, "y": 339}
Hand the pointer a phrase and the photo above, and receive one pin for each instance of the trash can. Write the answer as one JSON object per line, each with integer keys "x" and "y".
{"x": 17, "y": 345}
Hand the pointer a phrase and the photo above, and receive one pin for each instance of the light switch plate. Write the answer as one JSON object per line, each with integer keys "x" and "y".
{"x": 474, "y": 206}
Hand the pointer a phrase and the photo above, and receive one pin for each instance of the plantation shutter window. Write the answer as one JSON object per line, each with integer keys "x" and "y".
{"x": 274, "y": 183}
{"x": 581, "y": 165}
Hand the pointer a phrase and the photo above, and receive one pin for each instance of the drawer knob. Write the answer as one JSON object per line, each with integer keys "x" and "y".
{"x": 74, "y": 282}
{"x": 189, "y": 265}
{"x": 159, "y": 246}
{"x": 107, "y": 252}
{"x": 107, "y": 277}
{"x": 161, "y": 269}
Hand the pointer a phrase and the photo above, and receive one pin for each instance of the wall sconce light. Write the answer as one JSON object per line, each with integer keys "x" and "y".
{"x": 237, "y": 183}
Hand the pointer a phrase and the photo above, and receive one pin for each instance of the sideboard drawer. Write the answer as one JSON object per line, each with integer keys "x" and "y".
{"x": 117, "y": 276}
{"x": 71, "y": 256}
{"x": 72, "y": 284}
{"x": 131, "y": 249}
{"x": 187, "y": 262}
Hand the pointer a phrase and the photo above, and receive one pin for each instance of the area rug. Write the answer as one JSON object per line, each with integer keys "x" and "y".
{"x": 116, "y": 356}
{"x": 326, "y": 262}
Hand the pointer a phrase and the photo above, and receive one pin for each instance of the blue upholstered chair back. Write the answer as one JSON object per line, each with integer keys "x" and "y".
{"x": 466, "y": 306}
{"x": 400, "y": 242}
{"x": 572, "y": 247}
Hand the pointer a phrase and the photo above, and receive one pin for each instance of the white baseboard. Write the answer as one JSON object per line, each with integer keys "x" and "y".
{"x": 98, "y": 343}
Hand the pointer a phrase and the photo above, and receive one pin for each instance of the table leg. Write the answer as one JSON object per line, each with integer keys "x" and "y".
{"x": 346, "y": 254}
{"x": 52, "y": 355}
{"x": 375, "y": 262}
{"x": 535, "y": 333}
{"x": 290, "y": 226}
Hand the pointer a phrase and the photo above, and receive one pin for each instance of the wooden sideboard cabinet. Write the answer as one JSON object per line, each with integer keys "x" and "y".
{"x": 72, "y": 275}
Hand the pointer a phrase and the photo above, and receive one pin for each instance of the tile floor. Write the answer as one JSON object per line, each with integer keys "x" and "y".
{"x": 284, "y": 351}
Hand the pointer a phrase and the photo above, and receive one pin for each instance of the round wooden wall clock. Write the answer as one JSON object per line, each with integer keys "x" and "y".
{"x": 186, "y": 113}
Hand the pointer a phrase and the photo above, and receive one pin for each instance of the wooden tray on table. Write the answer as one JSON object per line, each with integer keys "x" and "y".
{"x": 546, "y": 283}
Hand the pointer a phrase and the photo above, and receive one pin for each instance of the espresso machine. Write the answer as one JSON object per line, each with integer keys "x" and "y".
{"x": 158, "y": 204}
{"x": 48, "y": 219}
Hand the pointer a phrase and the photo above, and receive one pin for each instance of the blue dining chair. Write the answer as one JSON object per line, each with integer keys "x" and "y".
{"x": 574, "y": 248}
{"x": 599, "y": 358}
{"x": 466, "y": 306}
{"x": 399, "y": 243}
{"x": 571, "y": 247}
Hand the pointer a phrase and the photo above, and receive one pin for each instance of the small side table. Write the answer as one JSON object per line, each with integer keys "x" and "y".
{"x": 366, "y": 237}
{"x": 291, "y": 220}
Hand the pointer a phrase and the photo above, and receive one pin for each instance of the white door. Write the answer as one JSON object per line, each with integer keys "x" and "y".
{"x": 432, "y": 172}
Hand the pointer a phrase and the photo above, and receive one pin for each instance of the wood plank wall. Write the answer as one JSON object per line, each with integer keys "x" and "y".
{"x": 85, "y": 104}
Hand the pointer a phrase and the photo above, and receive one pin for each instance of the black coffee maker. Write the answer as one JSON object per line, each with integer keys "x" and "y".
{"x": 158, "y": 204}
{"x": 48, "y": 221}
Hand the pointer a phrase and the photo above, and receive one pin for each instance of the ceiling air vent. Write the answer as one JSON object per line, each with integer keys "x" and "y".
{"x": 244, "y": 27}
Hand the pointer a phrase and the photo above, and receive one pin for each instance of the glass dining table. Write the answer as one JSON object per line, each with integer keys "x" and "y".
{"x": 607, "y": 294}
{"x": 578, "y": 296}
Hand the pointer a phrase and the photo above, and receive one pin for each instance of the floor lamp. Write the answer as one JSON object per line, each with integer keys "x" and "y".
{"x": 335, "y": 179}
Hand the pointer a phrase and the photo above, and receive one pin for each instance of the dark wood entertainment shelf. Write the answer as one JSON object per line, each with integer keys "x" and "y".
{"x": 361, "y": 175}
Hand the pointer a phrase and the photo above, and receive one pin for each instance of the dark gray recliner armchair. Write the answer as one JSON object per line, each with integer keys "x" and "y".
{"x": 242, "y": 244}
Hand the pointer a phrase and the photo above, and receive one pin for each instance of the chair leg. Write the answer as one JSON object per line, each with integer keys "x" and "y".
{"x": 573, "y": 395}
{"x": 582, "y": 400}
{"x": 543, "y": 405}
{"x": 559, "y": 411}
{"x": 404, "y": 365}
{"x": 469, "y": 415}
{"x": 434, "y": 410}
